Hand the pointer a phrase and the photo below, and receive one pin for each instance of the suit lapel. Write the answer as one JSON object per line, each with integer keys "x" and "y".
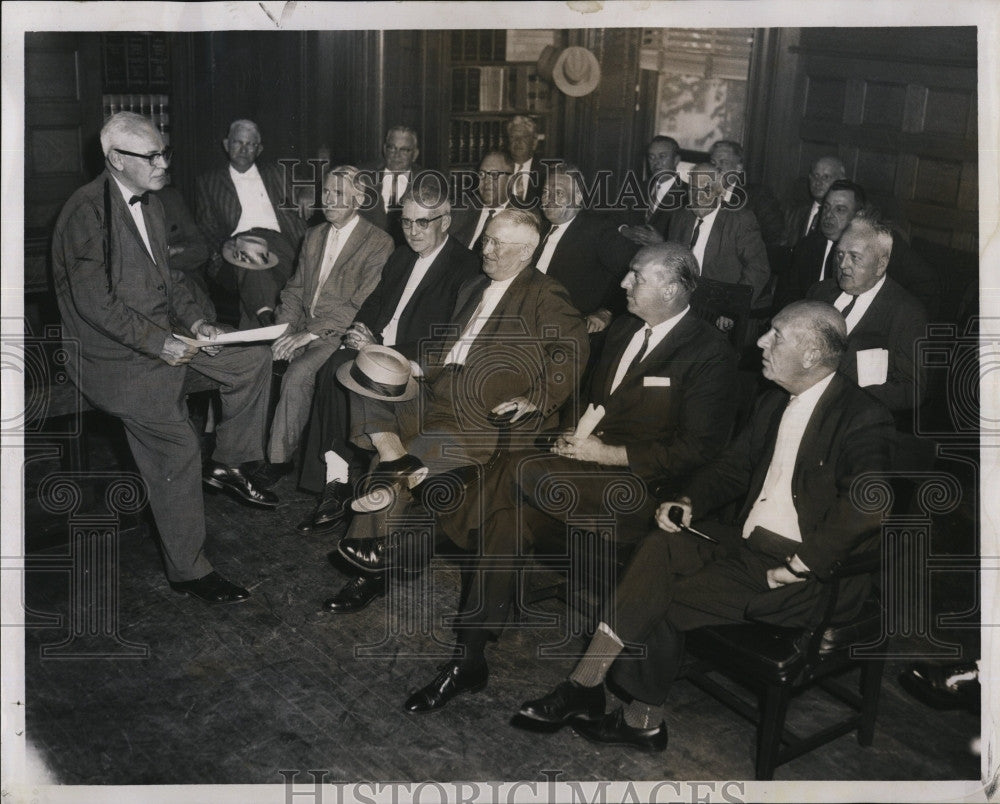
{"x": 626, "y": 338}
{"x": 816, "y": 432}
{"x": 760, "y": 470}
{"x": 659, "y": 353}
{"x": 713, "y": 246}
{"x": 230, "y": 198}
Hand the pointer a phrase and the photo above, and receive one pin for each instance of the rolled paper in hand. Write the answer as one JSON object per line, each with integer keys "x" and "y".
{"x": 589, "y": 420}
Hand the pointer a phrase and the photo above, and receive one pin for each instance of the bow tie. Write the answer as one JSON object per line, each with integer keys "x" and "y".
{"x": 141, "y": 199}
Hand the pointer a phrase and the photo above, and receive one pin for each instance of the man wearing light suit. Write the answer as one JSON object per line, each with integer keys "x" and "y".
{"x": 793, "y": 467}
{"x": 121, "y": 302}
{"x": 664, "y": 380}
{"x": 249, "y": 197}
{"x": 417, "y": 292}
{"x": 340, "y": 264}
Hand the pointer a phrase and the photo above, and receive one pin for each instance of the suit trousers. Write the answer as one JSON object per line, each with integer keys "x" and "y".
{"x": 677, "y": 582}
{"x": 537, "y": 501}
{"x": 259, "y": 289}
{"x": 297, "y": 384}
{"x": 167, "y": 450}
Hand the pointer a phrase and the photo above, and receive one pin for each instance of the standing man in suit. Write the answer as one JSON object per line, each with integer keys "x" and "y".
{"x": 804, "y": 219}
{"x": 664, "y": 194}
{"x": 522, "y": 140}
{"x": 517, "y": 347}
{"x": 249, "y": 198}
{"x": 340, "y": 264}
{"x": 388, "y": 180}
{"x": 469, "y": 224}
{"x": 793, "y": 465}
{"x": 578, "y": 248}
{"x": 883, "y": 319}
{"x": 726, "y": 242}
{"x": 416, "y": 293}
{"x": 664, "y": 380}
{"x": 121, "y": 302}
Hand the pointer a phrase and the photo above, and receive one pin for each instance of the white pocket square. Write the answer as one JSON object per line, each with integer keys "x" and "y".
{"x": 655, "y": 382}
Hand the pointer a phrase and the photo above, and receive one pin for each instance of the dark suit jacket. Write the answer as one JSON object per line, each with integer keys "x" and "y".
{"x": 894, "y": 321}
{"x": 431, "y": 304}
{"x": 218, "y": 207}
{"x": 848, "y": 434}
{"x": 121, "y": 330}
{"x": 795, "y": 223}
{"x": 675, "y": 199}
{"x": 911, "y": 271}
{"x": 807, "y": 261}
{"x": 734, "y": 253}
{"x": 533, "y": 345}
{"x": 355, "y": 274}
{"x": 765, "y": 207}
{"x": 464, "y": 222}
{"x": 584, "y": 262}
{"x": 674, "y": 410}
{"x": 535, "y": 183}
{"x": 373, "y": 208}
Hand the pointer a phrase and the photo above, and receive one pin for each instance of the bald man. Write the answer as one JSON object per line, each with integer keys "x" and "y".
{"x": 804, "y": 219}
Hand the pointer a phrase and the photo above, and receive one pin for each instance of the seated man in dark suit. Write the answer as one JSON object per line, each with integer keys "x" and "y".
{"x": 516, "y": 347}
{"x": 663, "y": 194}
{"x": 388, "y": 180}
{"x": 883, "y": 320}
{"x": 340, "y": 264}
{"x": 249, "y": 198}
{"x": 804, "y": 219}
{"x": 469, "y": 222}
{"x": 797, "y": 519}
{"x": 726, "y": 242}
{"x": 664, "y": 381}
{"x": 579, "y": 249}
{"x": 727, "y": 158}
{"x": 416, "y": 293}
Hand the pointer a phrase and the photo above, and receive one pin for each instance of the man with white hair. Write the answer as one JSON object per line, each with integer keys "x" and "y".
{"x": 248, "y": 197}
{"x": 526, "y": 183}
{"x": 120, "y": 301}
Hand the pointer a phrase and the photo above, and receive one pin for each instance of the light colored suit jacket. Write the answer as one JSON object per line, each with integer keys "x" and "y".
{"x": 355, "y": 275}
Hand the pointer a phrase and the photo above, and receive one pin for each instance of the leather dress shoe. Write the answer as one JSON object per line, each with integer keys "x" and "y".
{"x": 264, "y": 474}
{"x": 613, "y": 730}
{"x": 356, "y": 594}
{"x": 454, "y": 678}
{"x": 372, "y": 554}
{"x": 944, "y": 686}
{"x": 212, "y": 588}
{"x": 567, "y": 701}
{"x": 266, "y": 318}
{"x": 385, "y": 481}
{"x": 331, "y": 511}
{"x": 231, "y": 479}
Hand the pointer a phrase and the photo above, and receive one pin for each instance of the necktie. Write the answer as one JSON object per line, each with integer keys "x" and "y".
{"x": 850, "y": 306}
{"x": 139, "y": 199}
{"x": 654, "y": 200}
{"x": 694, "y": 234}
{"x": 394, "y": 195}
{"x": 813, "y": 222}
{"x": 327, "y": 269}
{"x": 642, "y": 349}
{"x": 478, "y": 245}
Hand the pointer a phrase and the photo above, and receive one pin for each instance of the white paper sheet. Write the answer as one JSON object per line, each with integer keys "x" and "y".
{"x": 240, "y": 336}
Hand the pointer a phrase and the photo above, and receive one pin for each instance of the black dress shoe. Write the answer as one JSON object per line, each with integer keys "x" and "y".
{"x": 356, "y": 594}
{"x": 266, "y": 318}
{"x": 264, "y": 474}
{"x": 372, "y": 554}
{"x": 213, "y": 589}
{"x": 332, "y": 510}
{"x": 454, "y": 678}
{"x": 944, "y": 686}
{"x": 234, "y": 481}
{"x": 613, "y": 730}
{"x": 567, "y": 701}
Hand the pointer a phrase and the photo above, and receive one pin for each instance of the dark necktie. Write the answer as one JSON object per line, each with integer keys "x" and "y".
{"x": 830, "y": 266}
{"x": 642, "y": 351}
{"x": 394, "y": 195}
{"x": 694, "y": 234}
{"x": 478, "y": 245}
{"x": 139, "y": 199}
{"x": 850, "y": 306}
{"x": 813, "y": 223}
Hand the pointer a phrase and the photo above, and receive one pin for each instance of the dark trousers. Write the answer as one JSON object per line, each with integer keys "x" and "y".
{"x": 259, "y": 289}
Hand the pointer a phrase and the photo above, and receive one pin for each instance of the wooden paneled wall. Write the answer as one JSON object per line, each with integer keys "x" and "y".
{"x": 898, "y": 106}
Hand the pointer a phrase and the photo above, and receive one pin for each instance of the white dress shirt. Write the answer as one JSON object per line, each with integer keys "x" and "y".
{"x": 257, "y": 212}
{"x": 522, "y": 171}
{"x": 402, "y": 182}
{"x": 552, "y": 238}
{"x": 484, "y": 216}
{"x": 491, "y": 298}
{"x": 661, "y": 190}
{"x": 826, "y": 256}
{"x": 809, "y": 220}
{"x": 774, "y": 508}
{"x": 706, "y": 229}
{"x": 335, "y": 241}
{"x": 658, "y": 333}
{"x": 860, "y": 306}
{"x": 135, "y": 210}
{"x": 417, "y": 274}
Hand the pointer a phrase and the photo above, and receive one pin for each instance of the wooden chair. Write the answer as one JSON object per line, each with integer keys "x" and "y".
{"x": 780, "y": 663}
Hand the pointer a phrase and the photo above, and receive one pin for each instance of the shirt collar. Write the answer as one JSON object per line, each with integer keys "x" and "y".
{"x": 252, "y": 174}
{"x": 125, "y": 191}
{"x": 811, "y": 395}
{"x": 664, "y": 327}
{"x": 347, "y": 228}
{"x": 433, "y": 255}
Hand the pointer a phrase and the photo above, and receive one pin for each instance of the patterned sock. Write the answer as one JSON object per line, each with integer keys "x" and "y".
{"x": 601, "y": 653}
{"x": 641, "y": 715}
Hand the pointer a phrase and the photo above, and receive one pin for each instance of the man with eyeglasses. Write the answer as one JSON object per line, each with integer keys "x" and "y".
{"x": 122, "y": 303}
{"x": 389, "y": 178}
{"x": 804, "y": 219}
{"x": 494, "y": 174}
{"x": 516, "y": 347}
{"x": 340, "y": 265}
{"x": 248, "y": 197}
{"x": 415, "y": 294}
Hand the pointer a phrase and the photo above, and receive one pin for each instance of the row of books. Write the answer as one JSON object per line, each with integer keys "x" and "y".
{"x": 497, "y": 89}
{"x": 155, "y": 107}
{"x": 470, "y": 140}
